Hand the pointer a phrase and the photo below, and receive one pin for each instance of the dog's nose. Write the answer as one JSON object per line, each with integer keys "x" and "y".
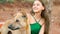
{"x": 10, "y": 26}
{"x": 13, "y": 28}
{"x": 17, "y": 20}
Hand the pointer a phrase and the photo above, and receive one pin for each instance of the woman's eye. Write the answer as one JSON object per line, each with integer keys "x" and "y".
{"x": 37, "y": 4}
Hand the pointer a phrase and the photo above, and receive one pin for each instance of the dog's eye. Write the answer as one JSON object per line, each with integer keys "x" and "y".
{"x": 17, "y": 20}
{"x": 24, "y": 16}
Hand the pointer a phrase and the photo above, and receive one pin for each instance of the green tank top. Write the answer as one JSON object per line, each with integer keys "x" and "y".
{"x": 35, "y": 28}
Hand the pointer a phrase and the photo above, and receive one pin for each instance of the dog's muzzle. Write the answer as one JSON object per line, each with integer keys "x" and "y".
{"x": 13, "y": 28}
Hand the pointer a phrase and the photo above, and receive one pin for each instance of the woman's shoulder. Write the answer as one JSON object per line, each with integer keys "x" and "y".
{"x": 42, "y": 22}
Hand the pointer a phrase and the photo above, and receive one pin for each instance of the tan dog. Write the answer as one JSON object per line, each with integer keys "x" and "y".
{"x": 17, "y": 25}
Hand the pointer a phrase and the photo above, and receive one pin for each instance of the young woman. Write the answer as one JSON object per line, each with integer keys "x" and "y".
{"x": 36, "y": 18}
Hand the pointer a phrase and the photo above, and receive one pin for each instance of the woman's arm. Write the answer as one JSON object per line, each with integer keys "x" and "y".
{"x": 29, "y": 30}
{"x": 42, "y": 29}
{"x": 43, "y": 26}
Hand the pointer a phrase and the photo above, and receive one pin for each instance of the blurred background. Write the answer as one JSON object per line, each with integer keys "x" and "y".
{"x": 9, "y": 7}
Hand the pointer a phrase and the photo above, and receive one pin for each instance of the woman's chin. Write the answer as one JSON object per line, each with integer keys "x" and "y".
{"x": 36, "y": 11}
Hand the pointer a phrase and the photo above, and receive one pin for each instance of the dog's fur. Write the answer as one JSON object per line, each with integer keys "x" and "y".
{"x": 22, "y": 24}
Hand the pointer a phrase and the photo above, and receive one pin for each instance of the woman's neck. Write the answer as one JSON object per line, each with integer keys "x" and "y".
{"x": 37, "y": 15}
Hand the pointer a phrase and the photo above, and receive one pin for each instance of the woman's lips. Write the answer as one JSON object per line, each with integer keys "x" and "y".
{"x": 35, "y": 8}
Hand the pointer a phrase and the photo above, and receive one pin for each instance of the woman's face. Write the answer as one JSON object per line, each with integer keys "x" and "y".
{"x": 37, "y": 6}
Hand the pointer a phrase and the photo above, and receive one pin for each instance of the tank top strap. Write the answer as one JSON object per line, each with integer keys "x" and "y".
{"x": 36, "y": 20}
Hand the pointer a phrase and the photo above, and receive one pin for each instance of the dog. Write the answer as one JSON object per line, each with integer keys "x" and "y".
{"x": 17, "y": 25}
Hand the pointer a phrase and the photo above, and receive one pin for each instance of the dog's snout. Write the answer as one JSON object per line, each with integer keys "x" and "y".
{"x": 10, "y": 26}
{"x": 17, "y": 20}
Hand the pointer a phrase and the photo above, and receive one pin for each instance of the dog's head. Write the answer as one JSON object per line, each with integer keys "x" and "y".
{"x": 19, "y": 22}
